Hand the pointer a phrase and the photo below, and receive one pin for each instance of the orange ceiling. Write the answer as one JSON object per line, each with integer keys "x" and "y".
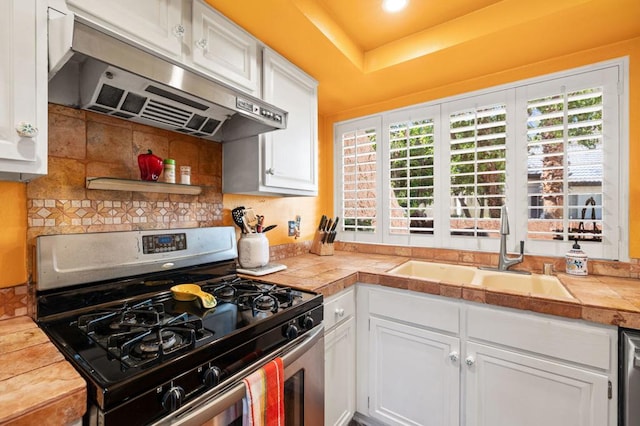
{"x": 362, "y": 56}
{"x": 369, "y": 26}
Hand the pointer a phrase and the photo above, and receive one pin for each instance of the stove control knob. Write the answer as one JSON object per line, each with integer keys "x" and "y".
{"x": 307, "y": 322}
{"x": 211, "y": 376}
{"x": 291, "y": 332}
{"x": 172, "y": 400}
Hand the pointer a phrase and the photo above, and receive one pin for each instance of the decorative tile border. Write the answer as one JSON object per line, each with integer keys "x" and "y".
{"x": 50, "y": 213}
{"x": 13, "y": 301}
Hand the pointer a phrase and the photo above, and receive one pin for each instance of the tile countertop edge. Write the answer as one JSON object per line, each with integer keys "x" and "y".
{"x": 600, "y": 299}
{"x": 41, "y": 388}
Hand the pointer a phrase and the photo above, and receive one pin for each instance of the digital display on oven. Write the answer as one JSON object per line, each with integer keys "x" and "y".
{"x": 152, "y": 244}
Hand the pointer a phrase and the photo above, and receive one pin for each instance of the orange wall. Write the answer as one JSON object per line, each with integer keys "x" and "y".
{"x": 13, "y": 237}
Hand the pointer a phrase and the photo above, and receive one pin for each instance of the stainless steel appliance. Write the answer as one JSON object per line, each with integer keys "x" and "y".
{"x": 629, "y": 377}
{"x": 105, "y": 300}
{"x": 91, "y": 69}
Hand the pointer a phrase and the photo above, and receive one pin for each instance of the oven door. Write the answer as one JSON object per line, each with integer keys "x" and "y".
{"x": 303, "y": 361}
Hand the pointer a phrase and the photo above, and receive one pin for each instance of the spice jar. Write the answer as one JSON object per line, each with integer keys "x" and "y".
{"x": 253, "y": 250}
{"x": 185, "y": 175}
{"x": 169, "y": 170}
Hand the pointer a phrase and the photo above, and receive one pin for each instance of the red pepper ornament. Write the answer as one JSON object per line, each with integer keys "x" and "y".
{"x": 150, "y": 166}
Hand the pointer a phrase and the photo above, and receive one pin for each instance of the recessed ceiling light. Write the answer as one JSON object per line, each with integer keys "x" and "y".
{"x": 392, "y": 6}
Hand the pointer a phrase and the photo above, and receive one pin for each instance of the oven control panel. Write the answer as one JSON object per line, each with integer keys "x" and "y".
{"x": 152, "y": 244}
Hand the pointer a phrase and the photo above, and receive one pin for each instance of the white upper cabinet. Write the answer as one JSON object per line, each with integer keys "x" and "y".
{"x": 155, "y": 24}
{"x": 291, "y": 154}
{"x": 23, "y": 90}
{"x": 222, "y": 49}
{"x": 185, "y": 31}
{"x": 282, "y": 162}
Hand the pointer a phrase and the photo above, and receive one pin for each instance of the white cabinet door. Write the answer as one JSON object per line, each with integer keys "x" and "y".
{"x": 224, "y": 50}
{"x": 505, "y": 388}
{"x": 155, "y": 24}
{"x": 290, "y": 159}
{"x": 340, "y": 373}
{"x": 23, "y": 89}
{"x": 413, "y": 375}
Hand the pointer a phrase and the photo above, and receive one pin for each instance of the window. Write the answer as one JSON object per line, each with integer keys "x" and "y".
{"x": 359, "y": 193}
{"x": 565, "y": 165}
{"x": 550, "y": 149}
{"x": 478, "y": 140}
{"x": 411, "y": 176}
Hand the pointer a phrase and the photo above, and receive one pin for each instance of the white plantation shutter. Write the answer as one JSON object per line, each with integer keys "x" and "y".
{"x": 565, "y": 165}
{"x": 411, "y": 176}
{"x": 553, "y": 149}
{"x": 359, "y": 180}
{"x": 477, "y": 139}
{"x": 572, "y": 146}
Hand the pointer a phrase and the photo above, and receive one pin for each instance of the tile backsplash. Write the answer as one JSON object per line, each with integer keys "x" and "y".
{"x": 85, "y": 144}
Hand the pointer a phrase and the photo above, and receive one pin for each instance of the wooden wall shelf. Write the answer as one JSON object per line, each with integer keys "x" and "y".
{"x": 116, "y": 184}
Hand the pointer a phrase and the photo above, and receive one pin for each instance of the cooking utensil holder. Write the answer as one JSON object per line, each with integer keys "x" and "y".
{"x": 317, "y": 247}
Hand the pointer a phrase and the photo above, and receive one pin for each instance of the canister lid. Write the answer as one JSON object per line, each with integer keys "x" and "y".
{"x": 169, "y": 161}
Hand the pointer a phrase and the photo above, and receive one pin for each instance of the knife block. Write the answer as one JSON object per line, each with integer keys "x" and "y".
{"x": 318, "y": 248}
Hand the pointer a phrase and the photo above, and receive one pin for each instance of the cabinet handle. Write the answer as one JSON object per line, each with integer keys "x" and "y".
{"x": 178, "y": 31}
{"x": 453, "y": 356}
{"x": 469, "y": 360}
{"x": 340, "y": 312}
{"x": 270, "y": 171}
{"x": 26, "y": 130}
{"x": 202, "y": 44}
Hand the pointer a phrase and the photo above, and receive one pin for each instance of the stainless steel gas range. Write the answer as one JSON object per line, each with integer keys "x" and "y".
{"x": 105, "y": 300}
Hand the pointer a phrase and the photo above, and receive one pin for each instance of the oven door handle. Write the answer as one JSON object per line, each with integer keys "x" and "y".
{"x": 209, "y": 408}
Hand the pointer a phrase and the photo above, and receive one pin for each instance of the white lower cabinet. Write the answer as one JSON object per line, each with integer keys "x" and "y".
{"x": 413, "y": 375}
{"x": 340, "y": 358}
{"x": 429, "y": 360}
{"x": 505, "y": 388}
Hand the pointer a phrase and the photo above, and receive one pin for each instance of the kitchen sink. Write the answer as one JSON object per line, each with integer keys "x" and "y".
{"x": 533, "y": 284}
{"x": 436, "y": 271}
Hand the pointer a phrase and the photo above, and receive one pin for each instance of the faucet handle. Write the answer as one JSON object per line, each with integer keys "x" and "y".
{"x": 521, "y": 247}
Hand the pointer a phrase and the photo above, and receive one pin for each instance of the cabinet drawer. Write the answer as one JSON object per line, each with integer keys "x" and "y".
{"x": 339, "y": 308}
{"x": 421, "y": 310}
{"x": 589, "y": 345}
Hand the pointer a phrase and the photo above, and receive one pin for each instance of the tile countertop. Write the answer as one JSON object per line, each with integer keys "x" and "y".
{"x": 600, "y": 299}
{"x": 37, "y": 386}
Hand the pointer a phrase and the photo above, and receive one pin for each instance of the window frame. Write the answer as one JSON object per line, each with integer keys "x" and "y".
{"x": 615, "y": 245}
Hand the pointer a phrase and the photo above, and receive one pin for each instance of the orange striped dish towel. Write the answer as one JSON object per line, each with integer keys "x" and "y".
{"x": 263, "y": 404}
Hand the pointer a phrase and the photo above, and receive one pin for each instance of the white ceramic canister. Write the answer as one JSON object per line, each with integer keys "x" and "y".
{"x": 576, "y": 261}
{"x": 253, "y": 250}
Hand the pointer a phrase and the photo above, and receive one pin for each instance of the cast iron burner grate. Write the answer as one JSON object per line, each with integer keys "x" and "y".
{"x": 258, "y": 297}
{"x": 141, "y": 334}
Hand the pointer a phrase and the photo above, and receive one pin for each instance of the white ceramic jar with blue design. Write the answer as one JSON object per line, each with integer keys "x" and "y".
{"x": 576, "y": 260}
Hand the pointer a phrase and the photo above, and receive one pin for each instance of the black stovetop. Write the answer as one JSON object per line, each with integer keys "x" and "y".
{"x": 131, "y": 335}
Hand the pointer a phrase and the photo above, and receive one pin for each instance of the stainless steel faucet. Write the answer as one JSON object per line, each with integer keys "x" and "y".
{"x": 505, "y": 262}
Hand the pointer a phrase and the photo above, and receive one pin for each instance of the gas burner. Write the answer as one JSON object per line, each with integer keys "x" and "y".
{"x": 264, "y": 303}
{"x": 151, "y": 344}
{"x": 226, "y": 293}
{"x": 125, "y": 318}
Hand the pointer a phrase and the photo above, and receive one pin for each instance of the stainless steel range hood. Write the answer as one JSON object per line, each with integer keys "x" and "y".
{"x": 91, "y": 70}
